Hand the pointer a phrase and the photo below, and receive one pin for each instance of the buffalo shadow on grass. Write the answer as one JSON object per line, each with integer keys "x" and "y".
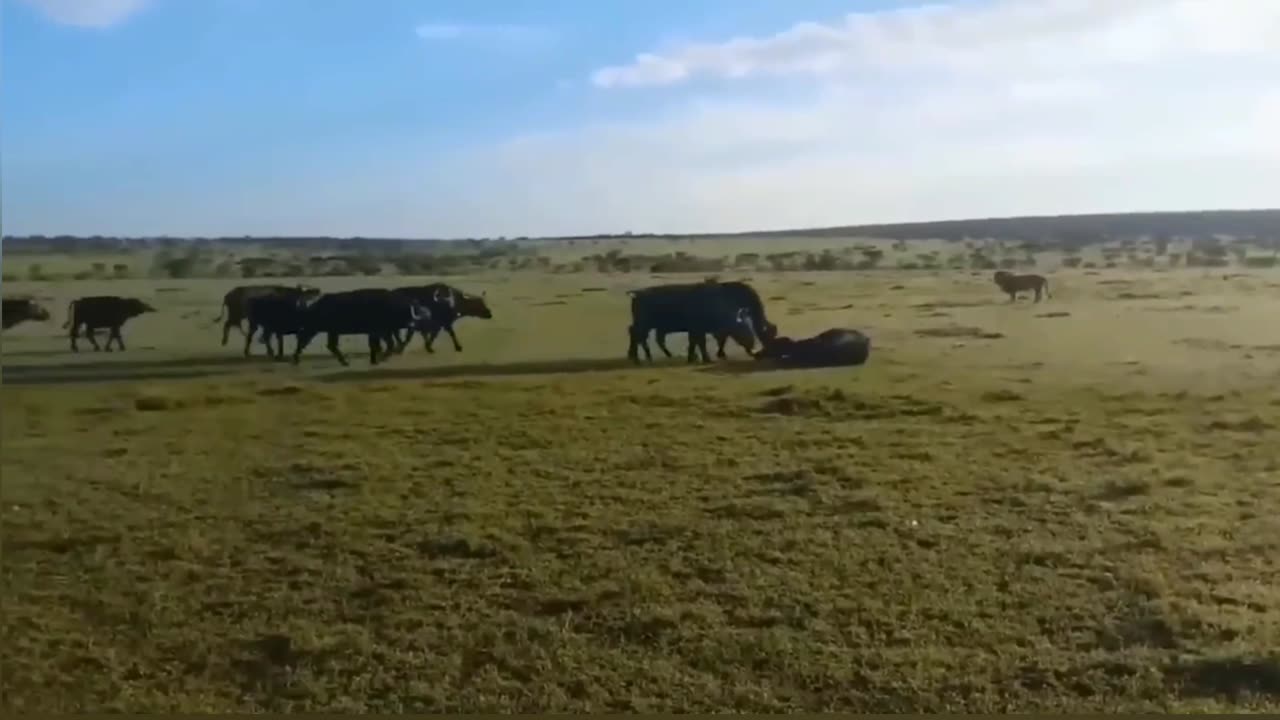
{"x": 126, "y": 369}
{"x": 752, "y": 367}
{"x": 527, "y": 367}
{"x": 41, "y": 376}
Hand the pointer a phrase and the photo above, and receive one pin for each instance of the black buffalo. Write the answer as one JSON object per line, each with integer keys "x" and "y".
{"x": 18, "y": 310}
{"x": 102, "y": 311}
{"x": 376, "y": 313}
{"x": 235, "y": 304}
{"x": 697, "y": 308}
{"x": 275, "y": 314}
{"x": 447, "y": 304}
{"x": 837, "y": 346}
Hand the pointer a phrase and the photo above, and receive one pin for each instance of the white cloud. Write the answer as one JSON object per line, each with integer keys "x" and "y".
{"x": 1037, "y": 34}
{"x": 492, "y": 34}
{"x": 986, "y": 107}
{"x": 89, "y": 13}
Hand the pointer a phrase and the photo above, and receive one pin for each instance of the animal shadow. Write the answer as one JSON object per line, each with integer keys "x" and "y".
{"x": 532, "y": 367}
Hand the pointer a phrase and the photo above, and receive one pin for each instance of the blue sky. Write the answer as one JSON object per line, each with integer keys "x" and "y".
{"x": 511, "y": 117}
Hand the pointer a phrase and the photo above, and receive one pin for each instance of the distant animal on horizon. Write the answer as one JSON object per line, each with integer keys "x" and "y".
{"x": 446, "y": 305}
{"x": 96, "y": 312}
{"x": 665, "y": 309}
{"x": 833, "y": 347}
{"x": 1014, "y": 284}
{"x": 235, "y": 304}
{"x": 17, "y": 310}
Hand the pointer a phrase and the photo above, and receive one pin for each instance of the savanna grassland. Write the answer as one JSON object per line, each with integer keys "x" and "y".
{"x": 1037, "y": 507}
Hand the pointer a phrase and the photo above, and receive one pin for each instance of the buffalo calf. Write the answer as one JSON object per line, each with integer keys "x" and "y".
{"x": 837, "y": 346}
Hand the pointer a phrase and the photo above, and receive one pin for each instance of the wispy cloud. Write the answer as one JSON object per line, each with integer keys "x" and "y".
{"x": 89, "y": 13}
{"x": 977, "y": 107}
{"x": 991, "y": 36}
{"x": 490, "y": 35}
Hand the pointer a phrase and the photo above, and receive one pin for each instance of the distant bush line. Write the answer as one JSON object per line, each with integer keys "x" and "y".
{"x": 202, "y": 258}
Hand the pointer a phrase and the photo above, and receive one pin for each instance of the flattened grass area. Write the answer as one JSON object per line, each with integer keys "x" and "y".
{"x": 1034, "y": 511}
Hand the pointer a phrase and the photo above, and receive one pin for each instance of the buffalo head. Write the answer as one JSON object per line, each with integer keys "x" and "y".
{"x": 307, "y": 292}
{"x": 17, "y": 310}
{"x": 421, "y": 316}
{"x": 740, "y": 330}
{"x": 35, "y": 311}
{"x": 473, "y": 306}
{"x": 776, "y": 347}
{"x": 135, "y": 306}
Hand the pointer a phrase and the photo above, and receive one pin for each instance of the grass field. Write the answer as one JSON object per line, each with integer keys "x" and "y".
{"x": 1063, "y": 506}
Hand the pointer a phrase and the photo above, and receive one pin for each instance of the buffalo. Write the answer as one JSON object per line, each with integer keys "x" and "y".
{"x": 376, "y": 313}
{"x": 17, "y": 310}
{"x": 102, "y": 311}
{"x": 837, "y": 346}
{"x": 235, "y": 304}
{"x": 697, "y": 308}
{"x": 277, "y": 314}
{"x": 446, "y": 304}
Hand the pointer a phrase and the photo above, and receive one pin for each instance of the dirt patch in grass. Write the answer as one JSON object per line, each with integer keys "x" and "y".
{"x": 959, "y": 331}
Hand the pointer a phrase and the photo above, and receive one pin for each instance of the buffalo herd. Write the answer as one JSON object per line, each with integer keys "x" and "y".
{"x": 389, "y": 318}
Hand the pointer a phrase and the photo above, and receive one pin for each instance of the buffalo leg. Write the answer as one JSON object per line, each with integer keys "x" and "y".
{"x": 248, "y": 338}
{"x": 91, "y": 333}
{"x": 300, "y": 341}
{"x": 457, "y": 346}
{"x": 660, "y": 337}
{"x": 114, "y": 334}
{"x": 375, "y": 345}
{"x": 702, "y": 348}
{"x": 697, "y": 343}
{"x": 231, "y": 322}
{"x": 721, "y": 339}
{"x": 336, "y": 351}
{"x": 632, "y": 353}
{"x": 75, "y": 335}
{"x": 639, "y": 339}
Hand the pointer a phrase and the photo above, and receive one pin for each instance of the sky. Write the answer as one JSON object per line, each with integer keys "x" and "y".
{"x": 452, "y": 118}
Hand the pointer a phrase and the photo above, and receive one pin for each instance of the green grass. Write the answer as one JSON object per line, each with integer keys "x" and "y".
{"x": 1077, "y": 514}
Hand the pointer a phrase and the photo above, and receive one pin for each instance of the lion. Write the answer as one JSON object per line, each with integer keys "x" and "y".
{"x": 1014, "y": 284}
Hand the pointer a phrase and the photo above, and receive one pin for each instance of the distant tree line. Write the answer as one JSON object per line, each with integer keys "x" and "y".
{"x": 1047, "y": 232}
